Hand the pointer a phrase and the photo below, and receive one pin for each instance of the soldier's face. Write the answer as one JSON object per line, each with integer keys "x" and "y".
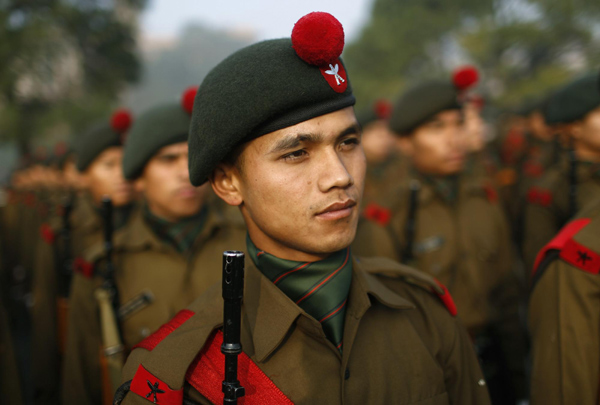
{"x": 299, "y": 188}
{"x": 378, "y": 142}
{"x": 104, "y": 177}
{"x": 166, "y": 185}
{"x": 586, "y": 133}
{"x": 439, "y": 146}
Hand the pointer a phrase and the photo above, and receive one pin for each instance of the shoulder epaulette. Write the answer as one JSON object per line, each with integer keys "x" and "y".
{"x": 446, "y": 298}
{"x": 571, "y": 251}
{"x": 165, "y": 330}
{"x": 83, "y": 267}
{"x": 47, "y": 233}
{"x": 539, "y": 196}
{"x": 377, "y": 214}
{"x": 410, "y": 275}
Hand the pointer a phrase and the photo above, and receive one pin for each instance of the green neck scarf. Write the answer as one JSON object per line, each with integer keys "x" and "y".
{"x": 320, "y": 288}
{"x": 181, "y": 234}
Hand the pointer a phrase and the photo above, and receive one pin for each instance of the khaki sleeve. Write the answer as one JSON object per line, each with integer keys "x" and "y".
{"x": 564, "y": 320}
{"x": 82, "y": 382}
{"x": 464, "y": 380}
{"x": 44, "y": 341}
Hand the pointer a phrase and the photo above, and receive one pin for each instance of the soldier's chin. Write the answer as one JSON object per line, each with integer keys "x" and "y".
{"x": 335, "y": 242}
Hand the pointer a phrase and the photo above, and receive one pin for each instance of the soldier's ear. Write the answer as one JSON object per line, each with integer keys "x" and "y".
{"x": 225, "y": 181}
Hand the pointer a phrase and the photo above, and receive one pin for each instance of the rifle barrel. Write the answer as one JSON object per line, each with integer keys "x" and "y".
{"x": 233, "y": 292}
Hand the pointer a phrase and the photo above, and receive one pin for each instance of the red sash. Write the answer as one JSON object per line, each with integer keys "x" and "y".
{"x": 207, "y": 372}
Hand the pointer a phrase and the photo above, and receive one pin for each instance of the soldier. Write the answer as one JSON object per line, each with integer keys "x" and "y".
{"x": 449, "y": 224}
{"x": 383, "y": 162}
{"x": 573, "y": 182}
{"x": 564, "y": 313}
{"x": 167, "y": 256}
{"x": 99, "y": 153}
{"x": 274, "y": 132}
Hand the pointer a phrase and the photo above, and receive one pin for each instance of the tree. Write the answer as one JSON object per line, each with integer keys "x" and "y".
{"x": 522, "y": 47}
{"x": 63, "y": 62}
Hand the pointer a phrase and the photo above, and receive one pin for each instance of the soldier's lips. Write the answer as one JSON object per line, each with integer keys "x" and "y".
{"x": 187, "y": 192}
{"x": 337, "y": 210}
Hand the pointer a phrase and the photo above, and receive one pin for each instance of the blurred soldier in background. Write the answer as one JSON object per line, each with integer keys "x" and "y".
{"x": 64, "y": 238}
{"x": 450, "y": 224}
{"x": 564, "y": 313}
{"x": 575, "y": 180}
{"x": 169, "y": 253}
{"x": 384, "y": 165}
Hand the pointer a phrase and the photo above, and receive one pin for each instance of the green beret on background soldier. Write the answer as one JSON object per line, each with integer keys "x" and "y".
{"x": 383, "y": 160}
{"x": 564, "y": 313}
{"x": 274, "y": 132}
{"x": 575, "y": 181}
{"x": 448, "y": 223}
{"x": 98, "y": 159}
{"x": 169, "y": 253}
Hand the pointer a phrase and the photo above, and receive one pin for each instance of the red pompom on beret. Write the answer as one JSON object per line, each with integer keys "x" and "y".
{"x": 187, "y": 99}
{"x": 465, "y": 77}
{"x": 121, "y": 121}
{"x": 383, "y": 109}
{"x": 318, "y": 38}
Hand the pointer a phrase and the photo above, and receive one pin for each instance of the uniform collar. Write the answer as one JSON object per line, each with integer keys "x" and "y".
{"x": 271, "y": 314}
{"x": 139, "y": 235}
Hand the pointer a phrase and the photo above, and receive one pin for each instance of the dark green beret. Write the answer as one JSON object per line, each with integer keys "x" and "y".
{"x": 573, "y": 101}
{"x": 260, "y": 89}
{"x": 95, "y": 141}
{"x": 154, "y": 129}
{"x": 380, "y": 110}
{"x": 421, "y": 103}
{"x": 530, "y": 105}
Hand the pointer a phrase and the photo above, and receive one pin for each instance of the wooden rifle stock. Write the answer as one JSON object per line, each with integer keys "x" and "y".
{"x": 112, "y": 353}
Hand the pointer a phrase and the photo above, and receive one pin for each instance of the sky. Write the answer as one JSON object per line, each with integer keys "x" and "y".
{"x": 264, "y": 18}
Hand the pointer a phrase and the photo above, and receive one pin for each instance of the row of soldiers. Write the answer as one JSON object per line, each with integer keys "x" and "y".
{"x": 268, "y": 157}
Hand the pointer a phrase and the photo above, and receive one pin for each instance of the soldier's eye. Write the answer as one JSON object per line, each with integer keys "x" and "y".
{"x": 350, "y": 142}
{"x": 296, "y": 155}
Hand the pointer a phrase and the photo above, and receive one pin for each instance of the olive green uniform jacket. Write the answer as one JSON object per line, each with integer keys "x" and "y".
{"x": 548, "y": 209}
{"x": 564, "y": 317}
{"x": 46, "y": 345}
{"x": 381, "y": 178}
{"x": 465, "y": 245}
{"x": 144, "y": 265}
{"x": 401, "y": 345}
